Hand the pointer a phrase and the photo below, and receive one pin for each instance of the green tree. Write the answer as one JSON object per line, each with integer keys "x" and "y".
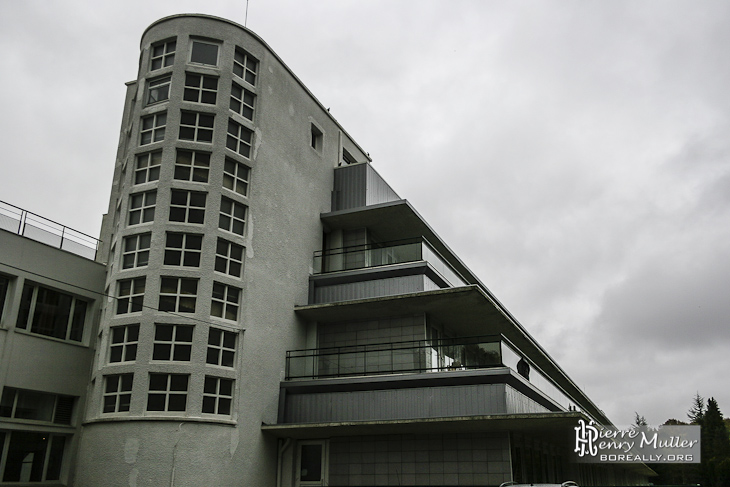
{"x": 715, "y": 447}
{"x": 697, "y": 411}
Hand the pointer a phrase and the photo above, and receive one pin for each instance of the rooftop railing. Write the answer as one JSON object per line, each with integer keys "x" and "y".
{"x": 40, "y": 229}
{"x": 382, "y": 254}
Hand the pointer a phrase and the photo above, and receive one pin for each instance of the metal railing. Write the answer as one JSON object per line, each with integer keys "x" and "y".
{"x": 40, "y": 229}
{"x": 382, "y": 254}
{"x": 395, "y": 358}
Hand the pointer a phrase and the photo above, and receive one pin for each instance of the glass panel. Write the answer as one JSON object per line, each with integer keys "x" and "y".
{"x": 204, "y": 53}
{"x": 310, "y": 463}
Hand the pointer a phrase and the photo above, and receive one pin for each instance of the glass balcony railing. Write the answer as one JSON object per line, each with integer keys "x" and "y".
{"x": 395, "y": 358}
{"x": 382, "y": 254}
{"x": 40, "y": 229}
{"x": 421, "y": 356}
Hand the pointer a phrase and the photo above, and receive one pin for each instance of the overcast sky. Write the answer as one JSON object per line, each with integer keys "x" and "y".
{"x": 575, "y": 154}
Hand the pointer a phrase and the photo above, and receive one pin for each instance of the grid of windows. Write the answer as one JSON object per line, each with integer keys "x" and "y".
{"x": 130, "y": 295}
{"x": 51, "y": 313}
{"x": 117, "y": 393}
{"x": 242, "y": 101}
{"x": 192, "y": 166}
{"x": 196, "y": 126}
{"x": 173, "y": 342}
{"x": 123, "y": 343}
{"x": 217, "y": 395}
{"x": 36, "y": 406}
{"x": 200, "y": 88}
{"x": 245, "y": 66}
{"x": 178, "y": 294}
{"x": 30, "y": 456}
{"x": 148, "y": 167}
{"x": 187, "y": 206}
{"x": 136, "y": 251}
{"x": 228, "y": 258}
{"x": 239, "y": 138}
{"x": 142, "y": 207}
{"x": 232, "y": 216}
{"x": 158, "y": 89}
{"x": 221, "y": 347}
{"x": 153, "y": 128}
{"x": 204, "y": 53}
{"x": 167, "y": 392}
{"x": 183, "y": 249}
{"x": 235, "y": 176}
{"x": 163, "y": 55}
{"x": 225, "y": 301}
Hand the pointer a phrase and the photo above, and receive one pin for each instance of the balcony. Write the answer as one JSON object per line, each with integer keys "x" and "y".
{"x": 384, "y": 254}
{"x": 40, "y": 229}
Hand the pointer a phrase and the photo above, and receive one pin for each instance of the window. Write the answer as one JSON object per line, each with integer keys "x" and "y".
{"x": 148, "y": 167}
{"x": 178, "y": 294}
{"x": 217, "y": 395}
{"x": 187, "y": 206}
{"x": 31, "y": 456}
{"x": 228, "y": 258}
{"x": 168, "y": 392}
{"x": 192, "y": 166}
{"x": 123, "y": 343}
{"x": 117, "y": 393}
{"x": 163, "y": 55}
{"x": 317, "y": 137}
{"x": 158, "y": 89}
{"x": 173, "y": 342}
{"x": 245, "y": 66}
{"x": 310, "y": 462}
{"x": 52, "y": 313}
{"x": 239, "y": 138}
{"x": 347, "y": 158}
{"x": 200, "y": 88}
{"x": 221, "y": 347}
{"x": 225, "y": 301}
{"x": 242, "y": 101}
{"x": 204, "y": 53}
{"x": 142, "y": 207}
{"x": 4, "y": 285}
{"x": 196, "y": 126}
{"x": 136, "y": 252}
{"x": 235, "y": 177}
{"x": 153, "y": 128}
{"x": 232, "y": 216}
{"x": 130, "y": 295}
{"x": 183, "y": 249}
{"x": 36, "y": 406}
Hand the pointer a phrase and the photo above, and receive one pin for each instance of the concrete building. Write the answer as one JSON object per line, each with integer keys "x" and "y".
{"x": 273, "y": 313}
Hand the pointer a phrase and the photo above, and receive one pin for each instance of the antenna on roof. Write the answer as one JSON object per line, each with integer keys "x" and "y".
{"x": 245, "y": 19}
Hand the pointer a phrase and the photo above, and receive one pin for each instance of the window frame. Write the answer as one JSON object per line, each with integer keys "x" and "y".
{"x": 121, "y": 391}
{"x": 199, "y": 165}
{"x": 166, "y": 57}
{"x": 238, "y": 103}
{"x": 155, "y": 130}
{"x": 242, "y": 61}
{"x": 167, "y": 392}
{"x": 233, "y": 219}
{"x": 147, "y": 167}
{"x": 160, "y": 85}
{"x": 133, "y": 302}
{"x": 200, "y": 93}
{"x": 201, "y": 132}
{"x": 51, "y": 458}
{"x": 236, "y": 142}
{"x": 145, "y": 213}
{"x": 178, "y": 345}
{"x": 184, "y": 251}
{"x": 220, "y": 351}
{"x": 220, "y": 400}
{"x": 33, "y": 317}
{"x": 23, "y": 397}
{"x": 232, "y": 180}
{"x": 127, "y": 344}
{"x": 138, "y": 252}
{"x": 226, "y": 299}
{"x": 225, "y": 257}
{"x": 192, "y": 211}
{"x": 178, "y": 296}
{"x": 206, "y": 42}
